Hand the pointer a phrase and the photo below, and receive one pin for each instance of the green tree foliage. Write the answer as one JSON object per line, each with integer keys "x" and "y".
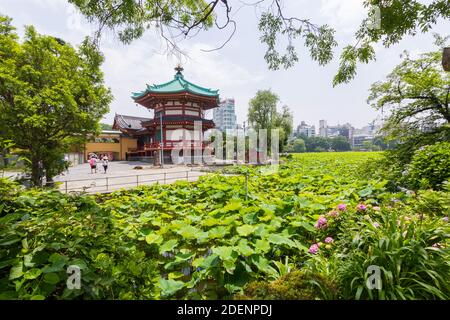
{"x": 130, "y": 18}
{"x": 386, "y": 22}
{"x": 397, "y": 19}
{"x": 416, "y": 96}
{"x": 105, "y": 126}
{"x": 284, "y": 121}
{"x": 340, "y": 144}
{"x": 317, "y": 144}
{"x": 263, "y": 114}
{"x": 370, "y": 146}
{"x": 51, "y": 95}
{"x": 6, "y": 158}
{"x": 430, "y": 166}
{"x": 298, "y": 145}
{"x": 383, "y": 143}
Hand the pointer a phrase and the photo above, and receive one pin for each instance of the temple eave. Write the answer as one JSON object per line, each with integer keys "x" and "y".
{"x": 150, "y": 100}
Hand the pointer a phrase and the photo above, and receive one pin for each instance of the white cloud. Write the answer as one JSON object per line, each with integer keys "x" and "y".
{"x": 215, "y": 68}
{"x": 343, "y": 15}
{"x": 54, "y": 5}
{"x": 129, "y": 68}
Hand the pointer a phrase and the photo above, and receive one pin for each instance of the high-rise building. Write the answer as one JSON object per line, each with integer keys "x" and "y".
{"x": 323, "y": 128}
{"x": 306, "y": 130}
{"x": 225, "y": 116}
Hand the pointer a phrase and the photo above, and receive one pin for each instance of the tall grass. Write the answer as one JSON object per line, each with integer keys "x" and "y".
{"x": 411, "y": 251}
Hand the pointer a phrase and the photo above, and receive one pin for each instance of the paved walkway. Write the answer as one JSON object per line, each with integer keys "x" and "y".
{"x": 122, "y": 174}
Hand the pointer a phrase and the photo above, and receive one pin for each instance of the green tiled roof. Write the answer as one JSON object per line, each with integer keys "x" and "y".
{"x": 178, "y": 84}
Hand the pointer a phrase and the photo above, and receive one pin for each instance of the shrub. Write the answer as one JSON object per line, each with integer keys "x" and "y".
{"x": 387, "y": 167}
{"x": 296, "y": 285}
{"x": 430, "y": 166}
{"x": 298, "y": 145}
{"x": 44, "y": 232}
{"x": 434, "y": 203}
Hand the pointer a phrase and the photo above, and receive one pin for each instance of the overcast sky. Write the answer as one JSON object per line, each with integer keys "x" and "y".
{"x": 239, "y": 69}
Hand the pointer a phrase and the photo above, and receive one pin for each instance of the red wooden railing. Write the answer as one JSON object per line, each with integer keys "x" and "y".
{"x": 176, "y": 144}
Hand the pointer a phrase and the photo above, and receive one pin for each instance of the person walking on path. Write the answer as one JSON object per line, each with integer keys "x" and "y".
{"x": 93, "y": 164}
{"x": 105, "y": 163}
{"x": 66, "y": 163}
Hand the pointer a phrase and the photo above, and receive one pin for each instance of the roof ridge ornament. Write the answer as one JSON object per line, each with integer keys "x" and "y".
{"x": 179, "y": 69}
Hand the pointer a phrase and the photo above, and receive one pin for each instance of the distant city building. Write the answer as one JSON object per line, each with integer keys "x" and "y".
{"x": 358, "y": 141}
{"x": 306, "y": 130}
{"x": 365, "y": 134}
{"x": 345, "y": 130}
{"x": 323, "y": 128}
{"x": 225, "y": 116}
{"x": 356, "y": 137}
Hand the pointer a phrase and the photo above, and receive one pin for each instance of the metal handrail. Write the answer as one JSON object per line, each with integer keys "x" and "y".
{"x": 106, "y": 186}
{"x": 127, "y": 176}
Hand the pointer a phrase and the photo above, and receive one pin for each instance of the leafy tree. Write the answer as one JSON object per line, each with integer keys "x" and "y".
{"x": 105, "y": 126}
{"x": 6, "y": 158}
{"x": 51, "y": 95}
{"x": 383, "y": 143}
{"x": 416, "y": 95}
{"x": 340, "y": 144}
{"x": 369, "y": 145}
{"x": 317, "y": 144}
{"x": 285, "y": 121}
{"x": 386, "y": 22}
{"x": 263, "y": 114}
{"x": 430, "y": 167}
{"x": 299, "y": 145}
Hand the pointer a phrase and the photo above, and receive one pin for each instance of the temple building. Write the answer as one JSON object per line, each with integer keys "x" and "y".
{"x": 177, "y": 105}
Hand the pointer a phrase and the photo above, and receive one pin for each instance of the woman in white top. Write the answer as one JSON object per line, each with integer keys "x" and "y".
{"x": 105, "y": 162}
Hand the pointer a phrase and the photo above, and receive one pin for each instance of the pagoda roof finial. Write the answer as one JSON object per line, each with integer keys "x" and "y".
{"x": 179, "y": 69}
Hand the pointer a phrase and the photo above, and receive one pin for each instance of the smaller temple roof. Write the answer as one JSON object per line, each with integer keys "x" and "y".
{"x": 128, "y": 122}
{"x": 178, "y": 84}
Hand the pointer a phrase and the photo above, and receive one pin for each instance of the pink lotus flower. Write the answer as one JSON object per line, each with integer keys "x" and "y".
{"x": 361, "y": 207}
{"x": 329, "y": 240}
{"x": 342, "y": 207}
{"x": 333, "y": 214}
{"x": 321, "y": 223}
{"x": 314, "y": 248}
